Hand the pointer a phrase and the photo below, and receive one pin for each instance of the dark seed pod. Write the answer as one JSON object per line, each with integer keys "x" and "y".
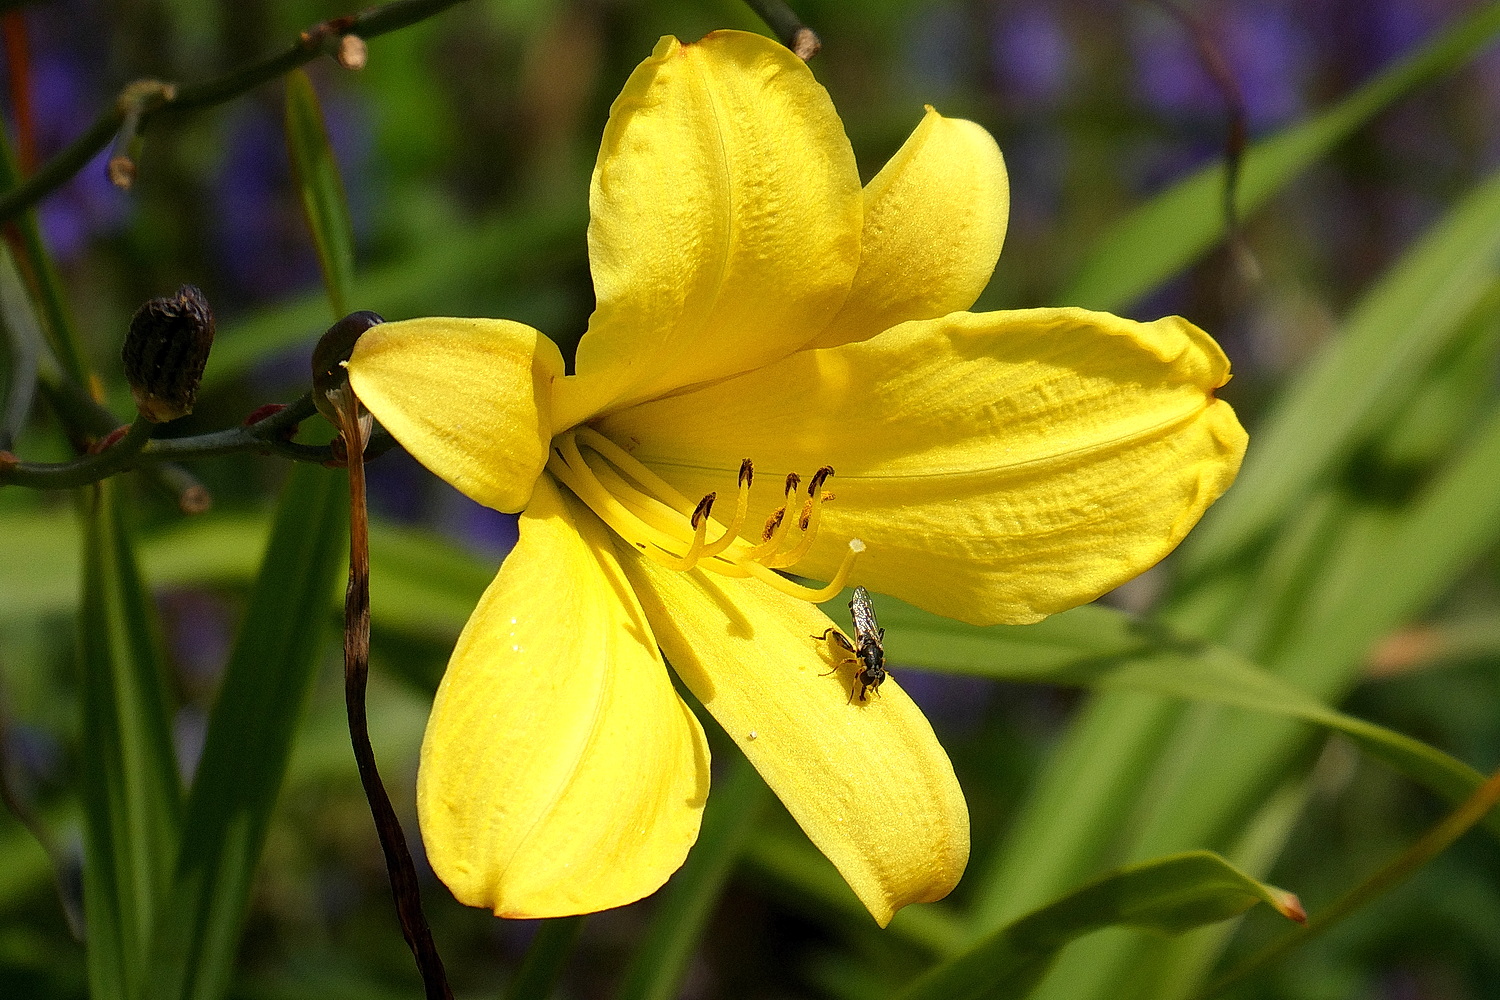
{"x": 332, "y": 351}
{"x": 165, "y": 353}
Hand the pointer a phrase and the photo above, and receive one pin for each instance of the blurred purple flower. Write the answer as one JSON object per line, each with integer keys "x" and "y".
{"x": 88, "y": 205}
{"x": 937, "y": 45}
{"x": 1264, "y": 47}
{"x": 1033, "y": 56}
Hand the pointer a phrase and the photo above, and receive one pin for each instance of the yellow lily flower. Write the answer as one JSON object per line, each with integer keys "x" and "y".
{"x": 760, "y": 316}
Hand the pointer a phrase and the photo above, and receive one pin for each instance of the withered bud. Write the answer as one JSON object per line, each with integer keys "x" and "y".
{"x": 333, "y": 350}
{"x": 165, "y": 353}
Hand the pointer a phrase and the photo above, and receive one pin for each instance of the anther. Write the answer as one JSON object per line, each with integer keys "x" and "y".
{"x": 772, "y": 523}
{"x": 747, "y": 473}
{"x": 704, "y": 508}
{"x": 792, "y": 482}
{"x": 819, "y": 478}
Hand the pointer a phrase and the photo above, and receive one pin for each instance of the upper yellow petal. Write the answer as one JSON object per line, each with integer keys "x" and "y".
{"x": 725, "y": 219}
{"x": 469, "y": 398}
{"x": 561, "y": 773}
{"x": 935, "y": 220}
{"x": 868, "y": 782}
{"x": 1000, "y": 467}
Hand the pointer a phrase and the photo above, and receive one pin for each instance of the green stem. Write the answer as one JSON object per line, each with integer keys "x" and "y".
{"x": 268, "y": 435}
{"x": 308, "y": 46}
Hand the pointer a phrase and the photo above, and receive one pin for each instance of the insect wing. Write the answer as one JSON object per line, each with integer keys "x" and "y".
{"x": 864, "y": 615}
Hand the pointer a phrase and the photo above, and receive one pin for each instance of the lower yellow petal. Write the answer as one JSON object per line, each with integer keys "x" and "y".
{"x": 561, "y": 773}
{"x": 469, "y": 398}
{"x": 999, "y": 467}
{"x": 868, "y": 782}
{"x": 935, "y": 220}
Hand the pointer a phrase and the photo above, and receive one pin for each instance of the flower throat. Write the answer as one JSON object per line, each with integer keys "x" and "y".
{"x": 673, "y": 531}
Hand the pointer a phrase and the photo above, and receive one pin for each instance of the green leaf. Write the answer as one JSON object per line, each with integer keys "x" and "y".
{"x": 733, "y": 813}
{"x": 1178, "y": 226}
{"x": 422, "y": 586}
{"x": 260, "y": 702}
{"x": 1363, "y": 378}
{"x": 1168, "y": 895}
{"x": 131, "y": 794}
{"x": 322, "y": 190}
{"x": 1179, "y": 667}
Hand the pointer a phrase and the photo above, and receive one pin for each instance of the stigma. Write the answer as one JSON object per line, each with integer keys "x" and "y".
{"x": 682, "y": 534}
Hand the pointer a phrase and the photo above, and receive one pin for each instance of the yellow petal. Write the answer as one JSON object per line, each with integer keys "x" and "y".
{"x": 725, "y": 217}
{"x": 935, "y": 219}
{"x": 1000, "y": 467}
{"x": 469, "y": 398}
{"x": 868, "y": 782}
{"x": 561, "y": 773}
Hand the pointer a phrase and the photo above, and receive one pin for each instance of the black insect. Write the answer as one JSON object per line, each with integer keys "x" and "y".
{"x": 868, "y": 653}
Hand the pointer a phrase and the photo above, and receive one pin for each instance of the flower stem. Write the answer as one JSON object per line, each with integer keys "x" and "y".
{"x": 398, "y": 862}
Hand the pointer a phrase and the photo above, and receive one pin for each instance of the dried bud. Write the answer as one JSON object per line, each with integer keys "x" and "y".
{"x": 165, "y": 353}
{"x": 329, "y": 374}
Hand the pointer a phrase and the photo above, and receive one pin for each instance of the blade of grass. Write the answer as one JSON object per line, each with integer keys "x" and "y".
{"x": 131, "y": 793}
{"x": 1439, "y": 293}
{"x": 264, "y": 689}
{"x": 1168, "y": 895}
{"x": 321, "y": 188}
{"x": 1177, "y": 227}
{"x": 656, "y": 969}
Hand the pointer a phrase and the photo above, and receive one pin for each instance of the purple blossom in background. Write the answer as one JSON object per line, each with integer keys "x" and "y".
{"x": 261, "y": 237}
{"x": 473, "y": 526}
{"x": 1265, "y": 48}
{"x": 88, "y": 205}
{"x": 1033, "y": 56}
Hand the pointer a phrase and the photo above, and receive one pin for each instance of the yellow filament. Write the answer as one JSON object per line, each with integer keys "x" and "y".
{"x": 791, "y": 589}
{"x": 732, "y": 533}
{"x": 610, "y": 510}
{"x": 635, "y": 469}
{"x": 813, "y": 514}
{"x": 773, "y": 544}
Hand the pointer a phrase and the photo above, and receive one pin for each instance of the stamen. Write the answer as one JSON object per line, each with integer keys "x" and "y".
{"x": 700, "y": 530}
{"x": 819, "y": 478}
{"x": 635, "y": 468}
{"x": 741, "y": 510}
{"x": 811, "y": 515}
{"x": 775, "y": 537}
{"x": 781, "y": 583}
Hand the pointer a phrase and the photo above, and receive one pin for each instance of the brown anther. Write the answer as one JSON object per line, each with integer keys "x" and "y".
{"x": 109, "y": 440}
{"x": 792, "y": 482}
{"x": 819, "y": 478}
{"x": 806, "y": 515}
{"x": 702, "y": 510}
{"x": 772, "y": 523}
{"x": 747, "y": 472}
